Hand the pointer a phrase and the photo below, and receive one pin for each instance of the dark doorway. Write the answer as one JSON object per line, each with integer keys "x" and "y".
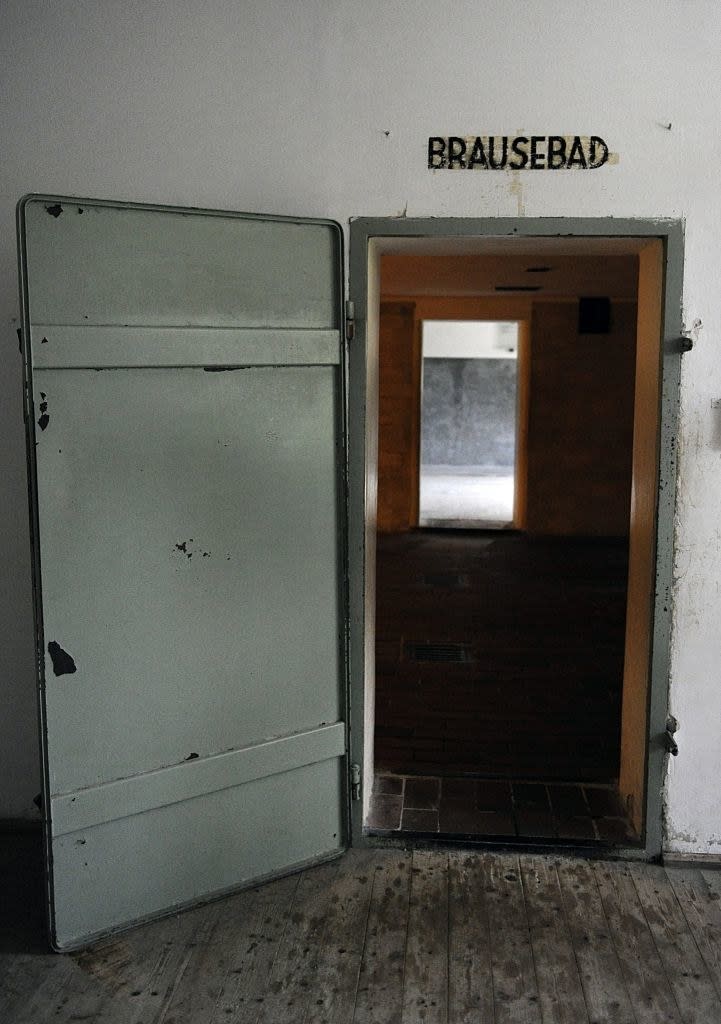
{"x": 500, "y": 657}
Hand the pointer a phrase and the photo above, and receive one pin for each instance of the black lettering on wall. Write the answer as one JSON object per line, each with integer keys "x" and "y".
{"x": 436, "y": 152}
{"x": 556, "y": 156}
{"x": 597, "y": 152}
{"x": 478, "y": 154}
{"x": 577, "y": 158}
{"x": 497, "y": 165}
{"x": 537, "y": 155}
{"x": 534, "y": 152}
{"x": 456, "y": 151}
{"x": 518, "y": 147}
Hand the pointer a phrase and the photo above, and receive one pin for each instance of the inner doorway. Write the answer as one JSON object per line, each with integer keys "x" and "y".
{"x": 552, "y": 484}
{"x": 468, "y": 423}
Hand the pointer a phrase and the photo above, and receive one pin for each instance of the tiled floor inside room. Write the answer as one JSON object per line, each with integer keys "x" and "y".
{"x": 498, "y": 809}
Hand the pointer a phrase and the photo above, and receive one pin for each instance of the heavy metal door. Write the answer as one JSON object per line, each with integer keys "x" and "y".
{"x": 184, "y": 379}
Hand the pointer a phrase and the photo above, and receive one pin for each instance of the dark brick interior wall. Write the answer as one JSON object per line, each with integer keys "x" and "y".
{"x": 580, "y": 423}
{"x": 541, "y": 623}
{"x": 469, "y": 412}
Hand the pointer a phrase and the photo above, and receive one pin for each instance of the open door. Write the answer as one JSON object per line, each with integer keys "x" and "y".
{"x": 188, "y": 531}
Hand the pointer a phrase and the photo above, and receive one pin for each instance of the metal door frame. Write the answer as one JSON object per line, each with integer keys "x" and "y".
{"x": 363, "y": 231}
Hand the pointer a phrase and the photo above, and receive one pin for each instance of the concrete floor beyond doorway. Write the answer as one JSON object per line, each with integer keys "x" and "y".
{"x": 465, "y": 497}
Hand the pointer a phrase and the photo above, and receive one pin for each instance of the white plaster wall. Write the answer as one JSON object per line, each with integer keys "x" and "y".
{"x": 323, "y": 107}
{"x": 461, "y": 339}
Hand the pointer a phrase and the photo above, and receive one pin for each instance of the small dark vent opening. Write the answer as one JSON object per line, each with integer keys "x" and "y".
{"x": 438, "y": 652}
{"x": 449, "y": 580}
{"x": 594, "y": 315}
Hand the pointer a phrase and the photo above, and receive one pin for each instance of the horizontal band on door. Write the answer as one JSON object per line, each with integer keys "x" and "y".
{"x": 63, "y": 347}
{"x": 86, "y": 808}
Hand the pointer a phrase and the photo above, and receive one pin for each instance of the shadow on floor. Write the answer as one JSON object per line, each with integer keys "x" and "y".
{"x": 22, "y": 922}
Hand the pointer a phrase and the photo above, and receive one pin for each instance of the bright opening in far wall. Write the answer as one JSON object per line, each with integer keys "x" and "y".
{"x": 468, "y": 423}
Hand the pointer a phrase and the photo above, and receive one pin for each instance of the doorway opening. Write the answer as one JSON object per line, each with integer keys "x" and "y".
{"x": 514, "y": 680}
{"x": 468, "y": 423}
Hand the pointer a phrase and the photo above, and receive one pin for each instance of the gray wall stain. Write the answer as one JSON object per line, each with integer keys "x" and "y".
{"x": 469, "y": 412}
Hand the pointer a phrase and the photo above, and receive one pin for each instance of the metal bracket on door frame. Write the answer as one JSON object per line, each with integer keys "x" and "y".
{"x": 355, "y": 782}
{"x": 349, "y": 320}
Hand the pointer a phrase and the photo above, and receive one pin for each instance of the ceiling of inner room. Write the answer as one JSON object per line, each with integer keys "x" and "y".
{"x": 538, "y": 268}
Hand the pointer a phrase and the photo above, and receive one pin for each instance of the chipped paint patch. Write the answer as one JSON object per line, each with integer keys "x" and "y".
{"x": 44, "y": 417}
{"x": 63, "y": 663}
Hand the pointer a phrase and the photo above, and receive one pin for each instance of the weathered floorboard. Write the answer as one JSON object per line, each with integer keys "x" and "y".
{"x": 515, "y": 992}
{"x": 291, "y": 981}
{"x": 32, "y": 992}
{"x": 426, "y": 964}
{"x": 601, "y": 975}
{"x": 648, "y": 987}
{"x": 470, "y": 979}
{"x": 230, "y": 972}
{"x": 559, "y": 985}
{"x": 702, "y": 910}
{"x": 131, "y": 978}
{"x": 334, "y": 995}
{"x": 686, "y": 972}
{"x": 380, "y": 988}
{"x": 386, "y": 937}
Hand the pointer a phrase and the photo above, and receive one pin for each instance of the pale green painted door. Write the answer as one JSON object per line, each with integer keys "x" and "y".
{"x": 185, "y": 424}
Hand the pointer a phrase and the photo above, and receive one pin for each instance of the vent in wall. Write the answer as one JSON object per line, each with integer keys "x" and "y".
{"x": 447, "y": 580}
{"x": 438, "y": 652}
{"x": 594, "y": 315}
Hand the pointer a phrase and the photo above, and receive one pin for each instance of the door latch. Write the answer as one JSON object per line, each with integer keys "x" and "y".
{"x": 355, "y": 782}
{"x": 679, "y": 345}
{"x": 669, "y": 735}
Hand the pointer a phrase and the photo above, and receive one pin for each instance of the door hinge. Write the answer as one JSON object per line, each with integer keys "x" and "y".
{"x": 355, "y": 782}
{"x": 349, "y": 320}
{"x": 670, "y": 735}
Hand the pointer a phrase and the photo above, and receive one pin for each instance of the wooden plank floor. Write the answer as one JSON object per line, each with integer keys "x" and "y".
{"x": 393, "y": 937}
